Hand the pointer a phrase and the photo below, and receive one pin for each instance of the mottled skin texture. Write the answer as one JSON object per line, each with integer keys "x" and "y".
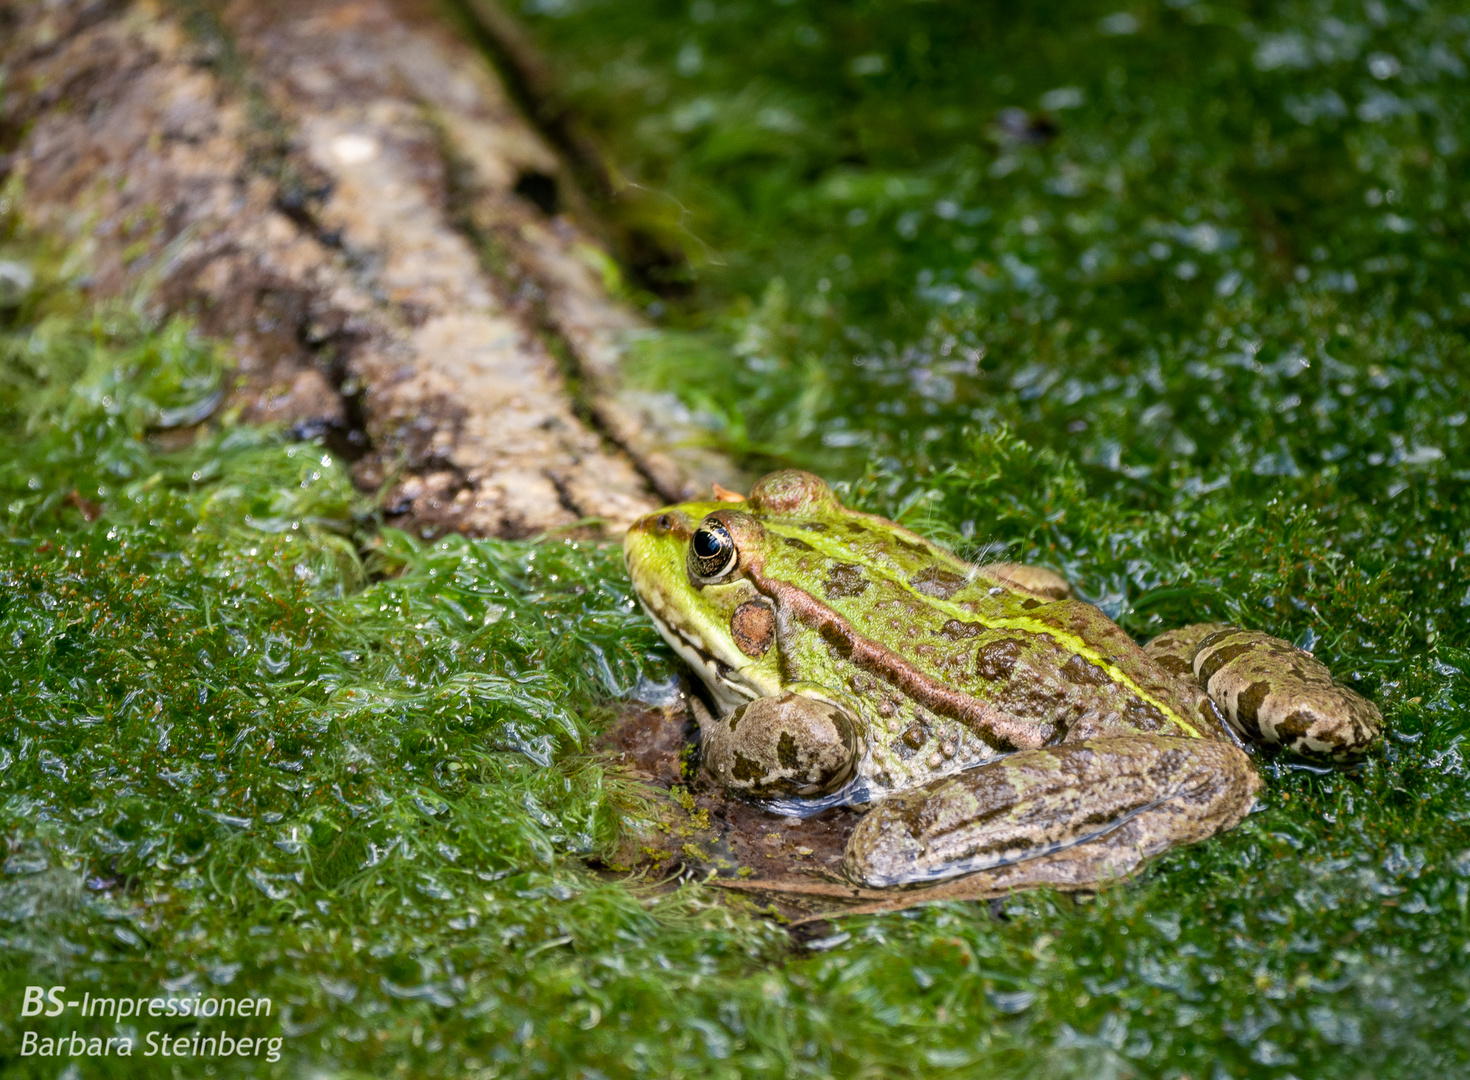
{"x": 1001, "y": 727}
{"x": 1271, "y": 692}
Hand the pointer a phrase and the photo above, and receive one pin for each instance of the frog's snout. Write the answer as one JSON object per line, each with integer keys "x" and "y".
{"x": 662, "y": 530}
{"x": 668, "y": 524}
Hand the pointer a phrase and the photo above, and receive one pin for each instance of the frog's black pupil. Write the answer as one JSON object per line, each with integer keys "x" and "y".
{"x": 706, "y": 544}
{"x": 711, "y": 552}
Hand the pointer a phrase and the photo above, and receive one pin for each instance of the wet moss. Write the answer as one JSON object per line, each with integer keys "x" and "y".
{"x": 1215, "y": 238}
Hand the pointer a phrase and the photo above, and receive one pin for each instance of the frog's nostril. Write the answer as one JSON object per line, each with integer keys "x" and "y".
{"x": 665, "y": 522}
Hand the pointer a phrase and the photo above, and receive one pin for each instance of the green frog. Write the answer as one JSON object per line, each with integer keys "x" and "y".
{"x": 991, "y": 723}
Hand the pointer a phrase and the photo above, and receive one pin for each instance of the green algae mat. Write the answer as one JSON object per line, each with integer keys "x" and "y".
{"x": 1172, "y": 298}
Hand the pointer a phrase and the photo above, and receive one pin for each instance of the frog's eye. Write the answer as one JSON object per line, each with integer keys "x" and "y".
{"x": 711, "y": 553}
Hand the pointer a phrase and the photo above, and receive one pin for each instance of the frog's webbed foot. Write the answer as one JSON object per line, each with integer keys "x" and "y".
{"x": 1071, "y": 816}
{"x": 782, "y": 747}
{"x": 1272, "y": 693}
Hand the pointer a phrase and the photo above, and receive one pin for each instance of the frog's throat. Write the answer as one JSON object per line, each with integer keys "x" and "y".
{"x": 984, "y": 719}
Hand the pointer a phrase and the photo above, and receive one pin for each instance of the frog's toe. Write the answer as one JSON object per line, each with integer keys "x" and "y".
{"x": 1275, "y": 694}
{"x": 780, "y": 747}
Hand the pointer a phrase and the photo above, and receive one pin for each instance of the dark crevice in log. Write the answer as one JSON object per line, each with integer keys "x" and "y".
{"x": 300, "y": 192}
{"x": 490, "y": 227}
{"x": 652, "y": 263}
{"x": 540, "y": 190}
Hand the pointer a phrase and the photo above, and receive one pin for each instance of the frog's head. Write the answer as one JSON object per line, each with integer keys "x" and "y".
{"x": 691, "y": 564}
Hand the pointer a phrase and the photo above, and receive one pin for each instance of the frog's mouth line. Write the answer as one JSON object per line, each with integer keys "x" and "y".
{"x": 729, "y": 691}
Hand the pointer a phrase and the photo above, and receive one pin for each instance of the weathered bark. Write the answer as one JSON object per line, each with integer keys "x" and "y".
{"x": 331, "y": 187}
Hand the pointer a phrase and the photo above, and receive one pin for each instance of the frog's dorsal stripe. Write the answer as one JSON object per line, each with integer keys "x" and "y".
{"x": 824, "y": 545}
{"x": 995, "y": 726}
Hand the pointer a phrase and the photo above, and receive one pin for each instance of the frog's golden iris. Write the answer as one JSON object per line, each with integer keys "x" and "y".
{"x": 999, "y": 726}
{"x": 711, "y": 553}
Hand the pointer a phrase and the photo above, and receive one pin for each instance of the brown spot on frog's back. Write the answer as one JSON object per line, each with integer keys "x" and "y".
{"x": 1293, "y": 728}
{"x": 837, "y": 641}
{"x": 1080, "y": 619}
{"x": 937, "y": 582}
{"x": 995, "y": 659}
{"x": 1219, "y": 658}
{"x": 747, "y": 768}
{"x": 753, "y": 626}
{"x": 845, "y": 580}
{"x": 956, "y": 630}
{"x": 1143, "y": 715}
{"x": 799, "y": 545}
{"x": 1175, "y": 665}
{"x": 1083, "y": 672}
{"x": 1248, "y": 704}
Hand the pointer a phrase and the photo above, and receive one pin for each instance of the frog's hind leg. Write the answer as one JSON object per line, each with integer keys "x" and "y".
{"x": 1272, "y": 693}
{"x": 1070, "y": 816}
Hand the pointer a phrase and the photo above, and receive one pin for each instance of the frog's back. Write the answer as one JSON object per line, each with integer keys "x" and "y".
{"x": 1059, "y": 666}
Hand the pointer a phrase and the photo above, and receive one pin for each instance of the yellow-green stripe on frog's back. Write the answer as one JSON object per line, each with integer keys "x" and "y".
{"x": 875, "y": 551}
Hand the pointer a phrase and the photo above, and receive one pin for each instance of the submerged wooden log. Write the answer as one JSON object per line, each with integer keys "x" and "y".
{"x": 342, "y": 191}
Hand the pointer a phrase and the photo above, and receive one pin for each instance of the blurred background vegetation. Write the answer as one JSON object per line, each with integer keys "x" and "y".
{"x": 1117, "y": 230}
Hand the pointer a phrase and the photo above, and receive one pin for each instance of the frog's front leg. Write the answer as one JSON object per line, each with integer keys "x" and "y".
{"x": 1272, "y": 693}
{"x": 1070, "y": 816}
{"x": 790, "y": 745}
